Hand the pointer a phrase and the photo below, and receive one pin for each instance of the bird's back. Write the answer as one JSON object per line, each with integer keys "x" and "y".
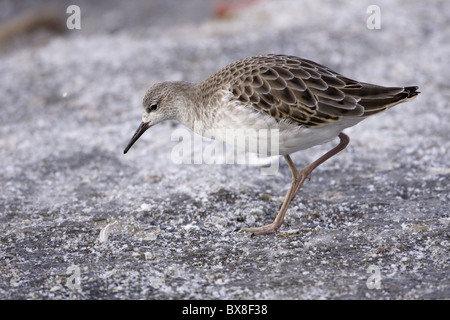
{"x": 302, "y": 91}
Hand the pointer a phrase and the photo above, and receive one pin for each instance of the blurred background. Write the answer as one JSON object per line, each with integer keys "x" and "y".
{"x": 34, "y": 19}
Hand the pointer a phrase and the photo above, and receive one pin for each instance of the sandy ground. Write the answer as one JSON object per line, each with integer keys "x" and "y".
{"x": 372, "y": 223}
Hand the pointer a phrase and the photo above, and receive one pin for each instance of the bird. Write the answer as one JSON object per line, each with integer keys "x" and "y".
{"x": 307, "y": 103}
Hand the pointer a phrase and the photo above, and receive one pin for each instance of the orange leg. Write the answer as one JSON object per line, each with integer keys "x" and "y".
{"x": 298, "y": 178}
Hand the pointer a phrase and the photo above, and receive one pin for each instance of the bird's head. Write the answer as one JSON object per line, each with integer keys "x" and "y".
{"x": 161, "y": 102}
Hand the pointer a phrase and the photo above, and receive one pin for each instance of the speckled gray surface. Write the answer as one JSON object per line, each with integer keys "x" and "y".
{"x": 69, "y": 106}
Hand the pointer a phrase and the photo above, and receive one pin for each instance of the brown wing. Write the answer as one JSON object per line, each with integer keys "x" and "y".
{"x": 288, "y": 87}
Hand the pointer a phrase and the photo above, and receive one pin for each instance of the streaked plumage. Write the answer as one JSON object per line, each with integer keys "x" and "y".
{"x": 309, "y": 94}
{"x": 307, "y": 102}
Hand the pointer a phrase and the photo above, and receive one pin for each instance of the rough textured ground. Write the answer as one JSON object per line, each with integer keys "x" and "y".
{"x": 69, "y": 104}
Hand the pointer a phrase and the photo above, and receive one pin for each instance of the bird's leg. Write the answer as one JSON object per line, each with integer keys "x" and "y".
{"x": 298, "y": 178}
{"x": 305, "y": 173}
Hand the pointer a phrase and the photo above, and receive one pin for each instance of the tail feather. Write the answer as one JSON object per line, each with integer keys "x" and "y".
{"x": 378, "y": 99}
{"x": 412, "y": 91}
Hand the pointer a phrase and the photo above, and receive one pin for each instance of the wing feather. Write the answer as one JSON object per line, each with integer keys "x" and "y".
{"x": 303, "y": 91}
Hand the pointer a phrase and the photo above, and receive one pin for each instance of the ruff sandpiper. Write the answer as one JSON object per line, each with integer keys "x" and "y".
{"x": 307, "y": 103}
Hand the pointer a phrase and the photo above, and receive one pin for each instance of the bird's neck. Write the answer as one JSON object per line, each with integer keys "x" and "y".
{"x": 197, "y": 113}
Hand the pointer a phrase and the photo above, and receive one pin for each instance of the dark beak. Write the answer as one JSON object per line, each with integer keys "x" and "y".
{"x": 142, "y": 128}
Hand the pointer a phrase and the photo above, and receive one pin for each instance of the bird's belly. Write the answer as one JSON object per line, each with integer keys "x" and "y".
{"x": 261, "y": 134}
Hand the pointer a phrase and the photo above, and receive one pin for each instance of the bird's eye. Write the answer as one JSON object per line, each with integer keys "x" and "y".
{"x": 153, "y": 107}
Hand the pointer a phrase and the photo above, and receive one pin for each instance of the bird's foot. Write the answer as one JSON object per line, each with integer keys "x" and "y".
{"x": 267, "y": 229}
